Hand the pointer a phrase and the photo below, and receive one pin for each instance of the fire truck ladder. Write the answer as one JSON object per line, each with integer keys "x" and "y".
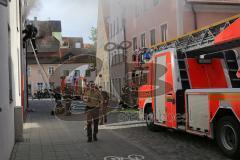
{"x": 199, "y": 39}
{"x": 201, "y": 42}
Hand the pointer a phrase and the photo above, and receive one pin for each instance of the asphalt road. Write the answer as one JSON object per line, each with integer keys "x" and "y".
{"x": 50, "y": 138}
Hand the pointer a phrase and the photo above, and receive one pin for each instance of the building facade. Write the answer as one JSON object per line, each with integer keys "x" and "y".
{"x": 102, "y": 65}
{"x": 59, "y": 57}
{"x": 147, "y": 23}
{"x": 10, "y": 73}
{"x": 176, "y": 17}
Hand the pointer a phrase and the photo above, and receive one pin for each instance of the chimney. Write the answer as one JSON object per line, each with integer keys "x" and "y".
{"x": 35, "y": 21}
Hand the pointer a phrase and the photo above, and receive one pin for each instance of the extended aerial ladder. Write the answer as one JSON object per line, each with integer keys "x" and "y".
{"x": 207, "y": 41}
{"x": 200, "y": 40}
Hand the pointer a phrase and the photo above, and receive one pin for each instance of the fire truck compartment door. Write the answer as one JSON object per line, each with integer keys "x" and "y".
{"x": 160, "y": 104}
{"x": 198, "y": 112}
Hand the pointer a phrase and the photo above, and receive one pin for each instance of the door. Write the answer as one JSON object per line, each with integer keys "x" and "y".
{"x": 160, "y": 70}
{"x": 165, "y": 106}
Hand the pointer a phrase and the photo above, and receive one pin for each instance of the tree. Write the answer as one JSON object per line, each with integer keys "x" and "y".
{"x": 93, "y": 36}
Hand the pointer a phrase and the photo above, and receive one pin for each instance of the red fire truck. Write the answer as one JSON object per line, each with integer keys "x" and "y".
{"x": 194, "y": 86}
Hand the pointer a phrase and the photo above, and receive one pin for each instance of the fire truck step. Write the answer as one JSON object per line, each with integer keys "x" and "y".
{"x": 181, "y": 127}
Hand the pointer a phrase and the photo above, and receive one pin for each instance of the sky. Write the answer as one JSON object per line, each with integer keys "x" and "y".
{"x": 77, "y": 16}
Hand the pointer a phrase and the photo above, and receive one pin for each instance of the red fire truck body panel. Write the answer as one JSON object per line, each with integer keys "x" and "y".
{"x": 210, "y": 78}
{"x": 205, "y": 80}
{"x": 229, "y": 34}
{"x": 197, "y": 92}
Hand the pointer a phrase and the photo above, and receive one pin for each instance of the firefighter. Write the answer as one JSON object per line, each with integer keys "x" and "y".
{"x": 67, "y": 98}
{"x": 30, "y": 34}
{"x": 94, "y": 99}
{"x": 104, "y": 106}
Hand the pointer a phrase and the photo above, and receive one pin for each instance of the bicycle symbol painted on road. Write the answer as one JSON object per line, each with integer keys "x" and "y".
{"x": 130, "y": 157}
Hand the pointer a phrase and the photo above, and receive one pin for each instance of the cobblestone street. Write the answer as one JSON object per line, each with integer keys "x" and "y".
{"x": 47, "y": 138}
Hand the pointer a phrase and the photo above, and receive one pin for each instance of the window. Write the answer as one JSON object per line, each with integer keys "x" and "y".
{"x": 134, "y": 58}
{"x": 155, "y": 2}
{"x": 40, "y": 86}
{"x": 51, "y": 70}
{"x": 134, "y": 43}
{"x": 117, "y": 25}
{"x": 10, "y": 80}
{"x": 10, "y": 66}
{"x": 153, "y": 37}
{"x": 120, "y": 56}
{"x": 114, "y": 27}
{"x": 66, "y": 73}
{"x": 164, "y": 32}
{"x": 143, "y": 40}
{"x": 88, "y": 73}
{"x": 112, "y": 58}
{"x": 29, "y": 71}
{"x": 110, "y": 31}
{"x": 65, "y": 44}
{"x": 77, "y": 45}
{"x": 52, "y": 85}
{"x": 77, "y": 73}
{"x": 29, "y": 89}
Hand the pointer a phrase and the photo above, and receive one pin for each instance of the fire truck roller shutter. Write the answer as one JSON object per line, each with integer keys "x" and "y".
{"x": 198, "y": 111}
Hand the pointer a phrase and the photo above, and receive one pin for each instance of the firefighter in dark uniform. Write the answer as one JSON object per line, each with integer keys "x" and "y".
{"x": 94, "y": 99}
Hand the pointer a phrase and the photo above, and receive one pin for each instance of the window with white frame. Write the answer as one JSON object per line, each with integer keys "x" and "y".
{"x": 66, "y": 73}
{"x": 155, "y": 2}
{"x": 29, "y": 71}
{"x": 77, "y": 45}
{"x": 10, "y": 76}
{"x": 143, "y": 40}
{"x": 153, "y": 36}
{"x": 77, "y": 73}
{"x": 114, "y": 28}
{"x": 135, "y": 43}
{"x": 50, "y": 70}
{"x": 110, "y": 30}
{"x": 52, "y": 85}
{"x": 164, "y": 32}
{"x": 117, "y": 25}
{"x": 40, "y": 86}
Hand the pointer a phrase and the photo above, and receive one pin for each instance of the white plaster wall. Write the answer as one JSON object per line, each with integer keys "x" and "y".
{"x": 6, "y": 116}
{"x": 8, "y": 18}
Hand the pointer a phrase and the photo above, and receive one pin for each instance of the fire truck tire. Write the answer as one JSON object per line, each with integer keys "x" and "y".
{"x": 228, "y": 136}
{"x": 150, "y": 121}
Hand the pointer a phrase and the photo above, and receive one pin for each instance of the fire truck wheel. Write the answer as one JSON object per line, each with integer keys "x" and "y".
{"x": 228, "y": 136}
{"x": 150, "y": 122}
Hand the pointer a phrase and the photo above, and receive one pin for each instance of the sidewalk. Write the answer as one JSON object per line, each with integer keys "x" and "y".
{"x": 47, "y": 138}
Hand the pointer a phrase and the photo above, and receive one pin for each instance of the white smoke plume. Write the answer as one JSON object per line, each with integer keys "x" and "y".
{"x": 29, "y": 5}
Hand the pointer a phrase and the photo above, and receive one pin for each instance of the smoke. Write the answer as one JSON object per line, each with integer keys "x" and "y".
{"x": 29, "y": 5}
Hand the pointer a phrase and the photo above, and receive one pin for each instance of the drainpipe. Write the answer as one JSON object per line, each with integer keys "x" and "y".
{"x": 179, "y": 17}
{"x": 194, "y": 17}
{"x": 125, "y": 53}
